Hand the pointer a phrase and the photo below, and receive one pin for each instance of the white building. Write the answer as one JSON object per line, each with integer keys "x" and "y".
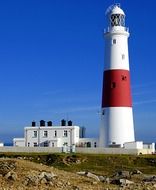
{"x": 54, "y": 136}
{"x": 68, "y": 136}
{"x": 19, "y": 142}
{"x": 88, "y": 142}
{"x": 1, "y": 144}
{"x": 141, "y": 146}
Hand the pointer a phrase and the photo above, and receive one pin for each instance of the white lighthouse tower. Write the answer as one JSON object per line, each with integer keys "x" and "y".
{"x": 116, "y": 115}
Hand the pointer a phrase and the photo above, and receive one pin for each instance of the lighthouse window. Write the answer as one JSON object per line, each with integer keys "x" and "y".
{"x": 113, "y": 85}
{"x": 114, "y": 41}
{"x": 117, "y": 20}
{"x": 123, "y": 56}
{"x": 124, "y": 78}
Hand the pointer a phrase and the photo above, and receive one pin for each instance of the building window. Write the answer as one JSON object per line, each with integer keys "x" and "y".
{"x": 123, "y": 56}
{"x": 55, "y": 134}
{"x": 65, "y": 133}
{"x": 35, "y": 134}
{"x": 88, "y": 144}
{"x": 45, "y": 134}
{"x": 114, "y": 41}
{"x": 35, "y": 144}
{"x": 95, "y": 144}
{"x": 113, "y": 85}
{"x": 28, "y": 143}
{"x": 46, "y": 144}
{"x": 53, "y": 144}
{"x": 65, "y": 144}
{"x": 123, "y": 77}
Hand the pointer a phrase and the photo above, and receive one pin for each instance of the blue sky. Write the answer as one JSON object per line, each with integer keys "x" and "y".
{"x": 52, "y": 58}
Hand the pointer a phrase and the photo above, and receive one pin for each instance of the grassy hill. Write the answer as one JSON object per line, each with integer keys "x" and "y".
{"x": 98, "y": 164}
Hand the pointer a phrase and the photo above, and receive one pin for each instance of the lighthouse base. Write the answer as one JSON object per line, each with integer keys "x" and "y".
{"x": 116, "y": 126}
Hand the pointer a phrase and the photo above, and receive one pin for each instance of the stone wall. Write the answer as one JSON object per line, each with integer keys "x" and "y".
{"x": 30, "y": 149}
{"x": 113, "y": 151}
{"x": 77, "y": 150}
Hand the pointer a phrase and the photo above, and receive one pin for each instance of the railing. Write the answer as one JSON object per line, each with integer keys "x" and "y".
{"x": 106, "y": 30}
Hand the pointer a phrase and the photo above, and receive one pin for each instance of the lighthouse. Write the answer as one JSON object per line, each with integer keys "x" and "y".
{"x": 117, "y": 125}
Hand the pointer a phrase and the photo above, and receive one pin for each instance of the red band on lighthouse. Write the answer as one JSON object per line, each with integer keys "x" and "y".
{"x": 116, "y": 89}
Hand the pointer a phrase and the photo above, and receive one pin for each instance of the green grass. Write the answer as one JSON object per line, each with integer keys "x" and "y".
{"x": 99, "y": 164}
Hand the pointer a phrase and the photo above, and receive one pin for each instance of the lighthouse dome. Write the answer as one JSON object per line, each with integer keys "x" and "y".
{"x": 117, "y": 10}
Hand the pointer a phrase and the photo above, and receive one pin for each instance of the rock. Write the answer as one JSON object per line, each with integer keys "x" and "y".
{"x": 102, "y": 178}
{"x": 107, "y": 180}
{"x": 90, "y": 175}
{"x": 94, "y": 182}
{"x": 122, "y": 182}
{"x": 43, "y": 181}
{"x": 78, "y": 161}
{"x": 136, "y": 172}
{"x": 7, "y": 166}
{"x": 51, "y": 183}
{"x": 147, "y": 183}
{"x": 75, "y": 188}
{"x": 41, "y": 175}
{"x": 93, "y": 176}
{"x": 154, "y": 185}
{"x": 19, "y": 157}
{"x": 25, "y": 182}
{"x": 31, "y": 180}
{"x": 39, "y": 178}
{"x": 125, "y": 182}
{"x": 115, "y": 181}
{"x": 82, "y": 173}
{"x": 123, "y": 174}
{"x": 11, "y": 176}
{"x": 150, "y": 179}
{"x": 68, "y": 183}
{"x": 47, "y": 176}
{"x": 59, "y": 183}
